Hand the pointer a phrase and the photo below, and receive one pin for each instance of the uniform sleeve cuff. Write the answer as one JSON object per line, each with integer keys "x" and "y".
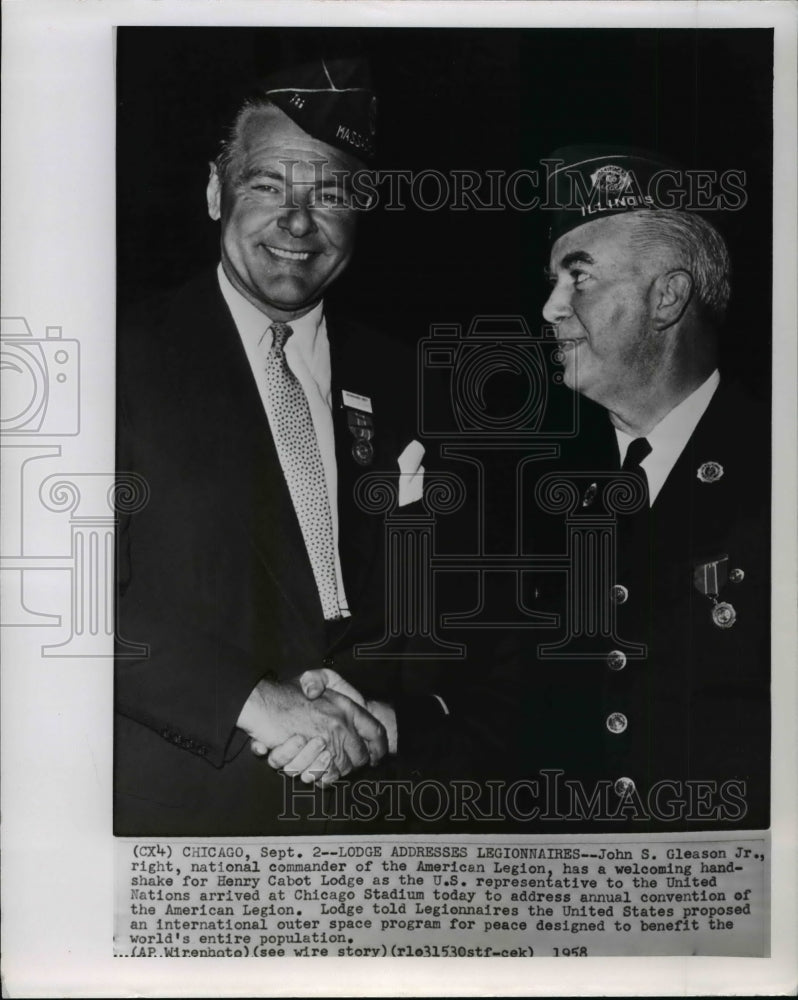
{"x": 416, "y": 715}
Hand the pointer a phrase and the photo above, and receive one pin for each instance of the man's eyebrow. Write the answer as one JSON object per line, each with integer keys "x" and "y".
{"x": 250, "y": 173}
{"x": 576, "y": 257}
{"x": 267, "y": 173}
{"x": 568, "y": 261}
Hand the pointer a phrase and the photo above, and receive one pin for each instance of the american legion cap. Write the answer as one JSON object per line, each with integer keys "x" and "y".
{"x": 591, "y": 182}
{"x": 330, "y": 99}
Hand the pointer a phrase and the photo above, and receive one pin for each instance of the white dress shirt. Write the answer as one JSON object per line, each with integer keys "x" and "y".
{"x": 670, "y": 436}
{"x": 307, "y": 353}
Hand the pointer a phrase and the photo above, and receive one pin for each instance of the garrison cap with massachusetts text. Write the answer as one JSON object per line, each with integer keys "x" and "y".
{"x": 330, "y": 99}
{"x": 591, "y": 182}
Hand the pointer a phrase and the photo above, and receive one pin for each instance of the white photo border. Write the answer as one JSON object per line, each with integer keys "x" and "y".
{"x": 58, "y": 268}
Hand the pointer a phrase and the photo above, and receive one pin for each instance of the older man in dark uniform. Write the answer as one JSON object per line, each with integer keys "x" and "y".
{"x": 664, "y": 696}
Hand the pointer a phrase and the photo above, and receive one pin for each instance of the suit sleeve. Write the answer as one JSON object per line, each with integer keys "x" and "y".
{"x": 179, "y": 557}
{"x": 476, "y": 732}
{"x": 191, "y": 681}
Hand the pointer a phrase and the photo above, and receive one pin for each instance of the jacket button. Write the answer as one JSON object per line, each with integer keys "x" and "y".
{"x": 623, "y": 787}
{"x": 617, "y": 722}
{"x": 619, "y": 594}
{"x": 736, "y": 575}
{"x": 589, "y": 495}
{"x": 616, "y": 660}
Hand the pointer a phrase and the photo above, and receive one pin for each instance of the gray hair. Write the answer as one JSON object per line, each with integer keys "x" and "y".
{"x": 231, "y": 144}
{"x": 696, "y": 246}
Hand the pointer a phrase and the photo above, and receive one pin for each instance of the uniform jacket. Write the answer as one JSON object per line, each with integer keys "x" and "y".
{"x": 695, "y": 705}
{"x": 213, "y": 575}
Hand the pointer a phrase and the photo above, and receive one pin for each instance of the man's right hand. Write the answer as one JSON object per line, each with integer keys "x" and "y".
{"x": 309, "y": 759}
{"x": 277, "y": 714}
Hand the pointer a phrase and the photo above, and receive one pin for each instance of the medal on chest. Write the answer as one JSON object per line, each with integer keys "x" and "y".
{"x": 709, "y": 579}
{"x": 360, "y": 421}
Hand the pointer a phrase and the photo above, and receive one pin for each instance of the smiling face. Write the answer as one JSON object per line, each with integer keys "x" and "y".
{"x": 286, "y": 230}
{"x": 601, "y": 306}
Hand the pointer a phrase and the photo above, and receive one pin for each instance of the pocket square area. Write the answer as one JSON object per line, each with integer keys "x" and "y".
{"x": 411, "y": 473}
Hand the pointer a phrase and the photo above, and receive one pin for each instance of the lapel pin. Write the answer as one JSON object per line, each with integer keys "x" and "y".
{"x": 590, "y": 495}
{"x": 710, "y": 472}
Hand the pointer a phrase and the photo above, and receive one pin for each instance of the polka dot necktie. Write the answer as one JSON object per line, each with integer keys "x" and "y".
{"x": 300, "y": 458}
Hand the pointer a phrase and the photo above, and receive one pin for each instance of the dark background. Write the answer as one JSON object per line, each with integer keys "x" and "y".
{"x": 453, "y": 99}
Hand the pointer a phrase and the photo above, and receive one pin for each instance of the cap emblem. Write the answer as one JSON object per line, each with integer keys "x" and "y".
{"x": 611, "y": 178}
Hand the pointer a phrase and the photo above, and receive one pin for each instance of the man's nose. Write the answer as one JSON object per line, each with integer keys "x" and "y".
{"x": 298, "y": 219}
{"x": 558, "y": 305}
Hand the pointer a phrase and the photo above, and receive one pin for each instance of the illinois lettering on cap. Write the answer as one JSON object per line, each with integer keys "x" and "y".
{"x": 590, "y": 182}
{"x": 330, "y": 99}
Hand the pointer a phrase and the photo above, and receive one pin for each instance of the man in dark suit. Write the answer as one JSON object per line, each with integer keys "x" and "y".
{"x": 251, "y": 413}
{"x": 660, "y": 692}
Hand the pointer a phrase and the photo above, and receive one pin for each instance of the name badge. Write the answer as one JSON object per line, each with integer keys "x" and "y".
{"x": 355, "y": 401}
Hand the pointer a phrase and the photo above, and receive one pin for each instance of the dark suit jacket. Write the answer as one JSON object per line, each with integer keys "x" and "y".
{"x": 697, "y": 704}
{"x": 213, "y": 574}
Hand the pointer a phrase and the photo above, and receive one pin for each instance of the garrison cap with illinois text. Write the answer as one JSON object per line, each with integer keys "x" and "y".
{"x": 591, "y": 182}
{"x": 330, "y": 99}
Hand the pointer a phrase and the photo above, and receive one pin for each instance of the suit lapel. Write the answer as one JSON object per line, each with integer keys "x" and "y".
{"x": 235, "y": 425}
{"x": 257, "y": 499}
{"x": 688, "y": 507}
{"x": 359, "y": 532}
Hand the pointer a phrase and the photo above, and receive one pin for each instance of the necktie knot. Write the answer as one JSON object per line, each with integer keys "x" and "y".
{"x": 635, "y": 453}
{"x": 280, "y": 333}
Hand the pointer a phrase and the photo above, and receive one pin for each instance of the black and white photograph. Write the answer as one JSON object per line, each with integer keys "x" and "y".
{"x": 538, "y": 296}
{"x": 400, "y": 529}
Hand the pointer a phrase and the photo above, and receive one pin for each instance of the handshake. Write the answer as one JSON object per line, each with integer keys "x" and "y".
{"x": 317, "y": 726}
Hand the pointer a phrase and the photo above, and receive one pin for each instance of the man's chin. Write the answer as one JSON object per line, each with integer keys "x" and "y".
{"x": 569, "y": 378}
{"x": 287, "y": 296}
{"x": 580, "y": 378}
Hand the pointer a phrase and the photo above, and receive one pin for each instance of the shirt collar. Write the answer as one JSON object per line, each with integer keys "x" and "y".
{"x": 308, "y": 341}
{"x": 671, "y": 434}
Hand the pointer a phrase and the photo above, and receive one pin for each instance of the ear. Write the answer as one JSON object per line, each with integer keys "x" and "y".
{"x": 213, "y": 194}
{"x": 671, "y": 295}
